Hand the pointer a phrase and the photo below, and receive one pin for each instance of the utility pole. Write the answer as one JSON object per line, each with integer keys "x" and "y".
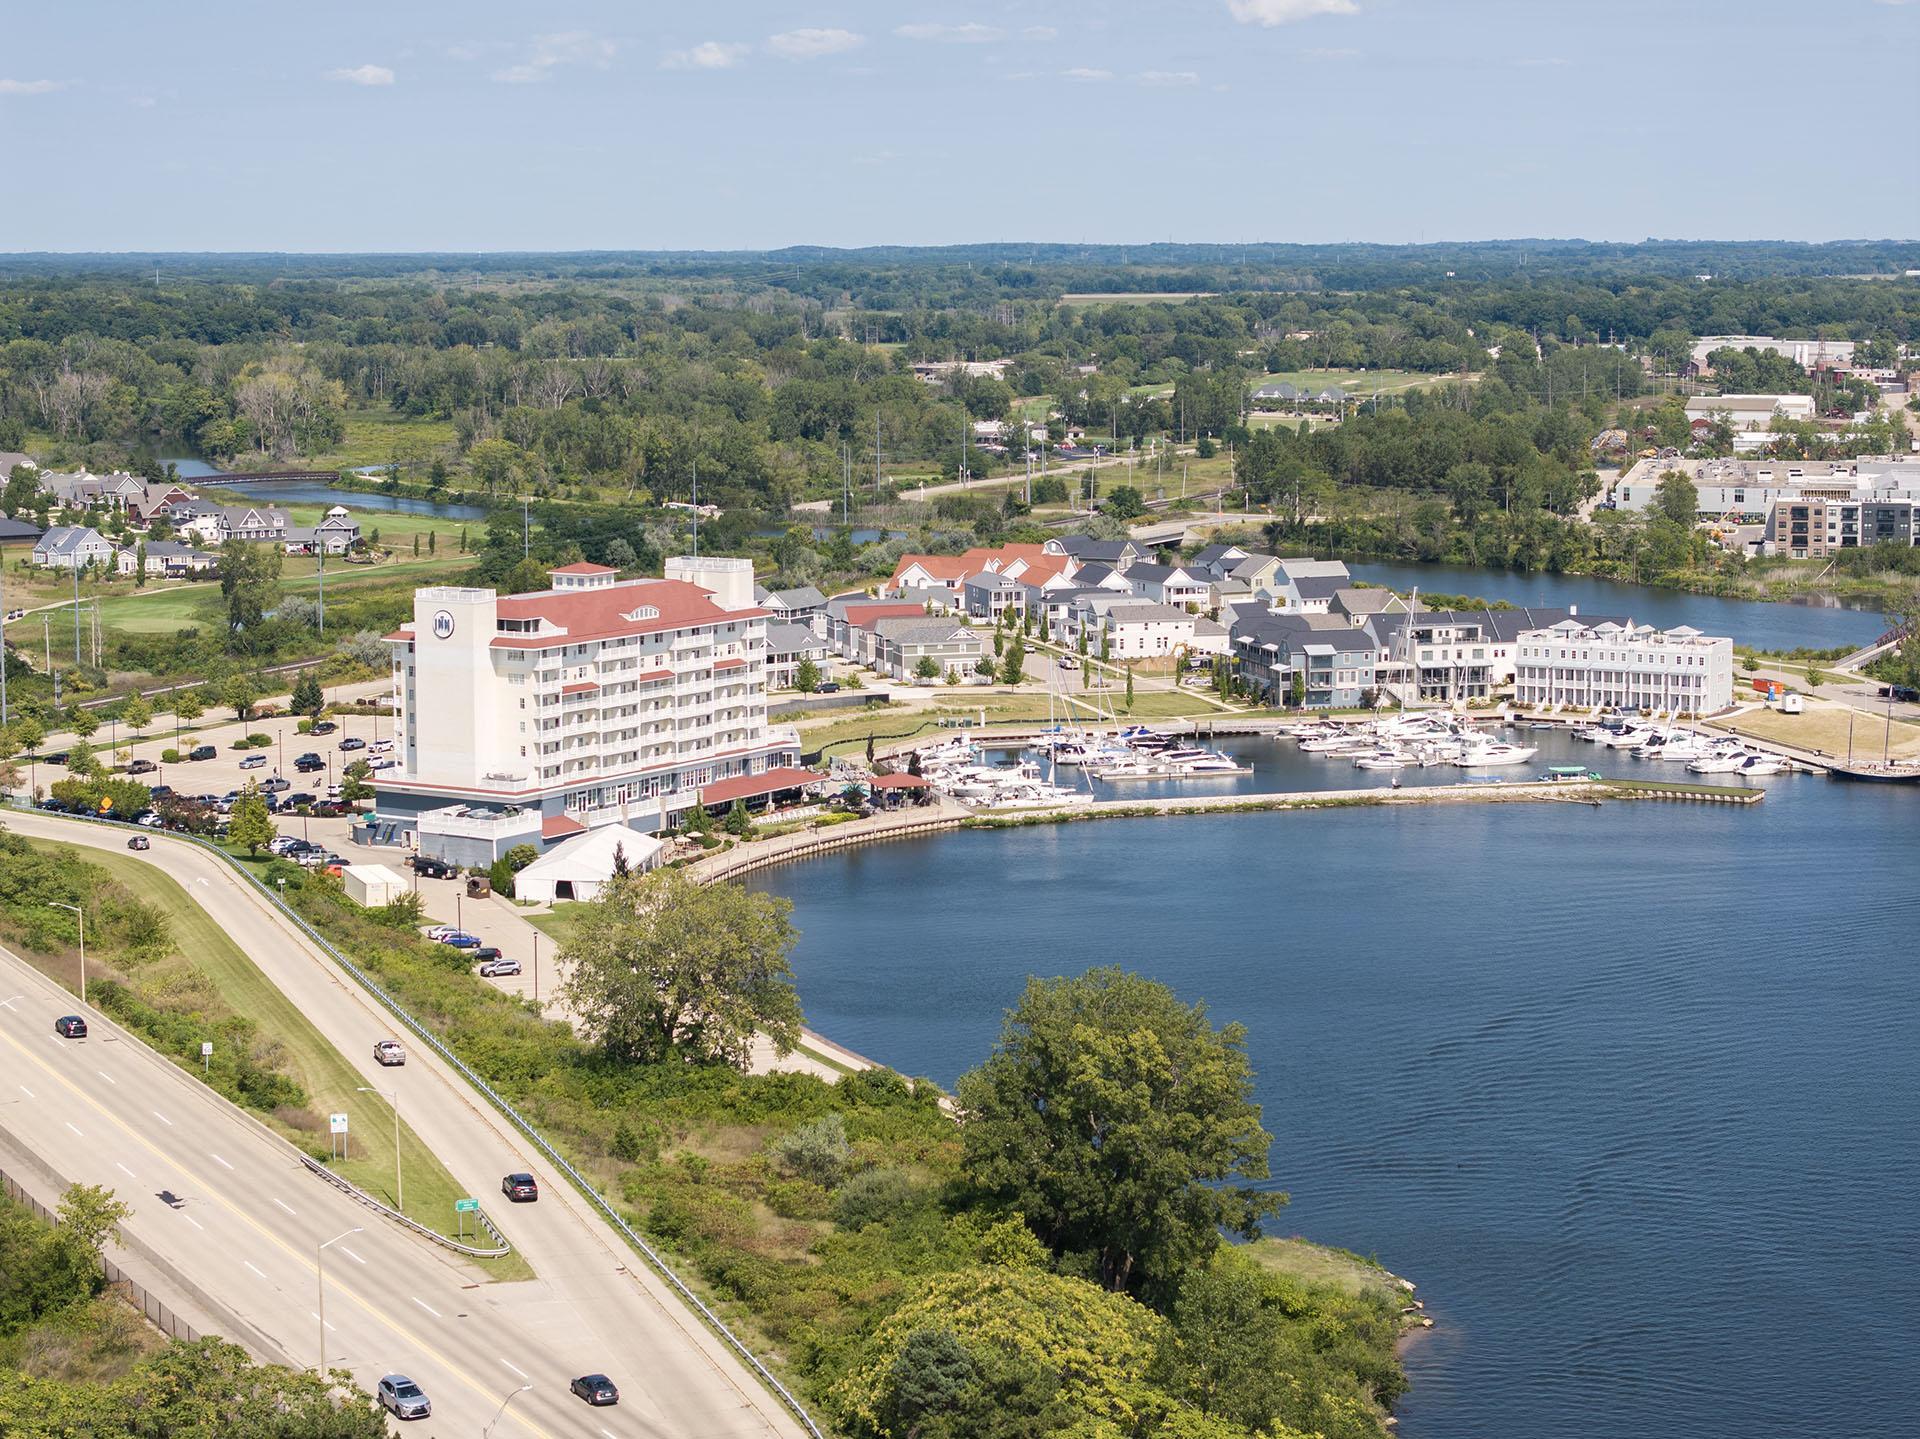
{"x": 320, "y": 575}
{"x": 76, "y": 610}
{"x": 696, "y": 507}
{"x": 3, "y": 640}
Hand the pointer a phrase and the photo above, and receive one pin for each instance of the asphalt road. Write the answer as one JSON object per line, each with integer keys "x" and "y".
{"x": 593, "y": 1306}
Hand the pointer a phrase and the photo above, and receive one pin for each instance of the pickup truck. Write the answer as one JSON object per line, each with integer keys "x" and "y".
{"x": 389, "y": 1052}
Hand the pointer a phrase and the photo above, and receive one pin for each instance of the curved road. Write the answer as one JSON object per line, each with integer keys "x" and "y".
{"x": 675, "y": 1377}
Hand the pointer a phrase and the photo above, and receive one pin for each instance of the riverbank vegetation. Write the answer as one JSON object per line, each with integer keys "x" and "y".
{"x": 77, "y": 1360}
{"x": 916, "y": 1275}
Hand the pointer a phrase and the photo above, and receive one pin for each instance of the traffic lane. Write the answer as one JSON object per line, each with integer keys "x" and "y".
{"x": 621, "y": 1306}
{"x": 231, "y": 1207}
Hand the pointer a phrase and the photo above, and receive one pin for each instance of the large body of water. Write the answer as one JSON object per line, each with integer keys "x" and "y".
{"x": 1630, "y": 1092}
{"x": 303, "y": 492}
{"x": 1760, "y": 623}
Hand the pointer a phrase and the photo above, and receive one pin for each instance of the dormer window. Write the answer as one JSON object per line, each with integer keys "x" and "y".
{"x": 644, "y": 612}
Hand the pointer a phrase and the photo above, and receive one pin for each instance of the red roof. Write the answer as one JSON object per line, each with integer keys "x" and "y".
{"x": 601, "y": 612}
{"x": 583, "y": 568}
{"x": 749, "y": 786}
{"x": 559, "y": 826}
{"x": 578, "y": 687}
{"x": 861, "y": 616}
{"x": 900, "y": 781}
{"x": 939, "y": 567}
{"x": 730, "y": 665}
{"x": 647, "y": 677}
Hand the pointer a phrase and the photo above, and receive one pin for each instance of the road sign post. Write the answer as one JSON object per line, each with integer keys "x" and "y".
{"x": 336, "y": 1135}
{"x": 206, "y": 1056}
{"x": 461, "y": 1209}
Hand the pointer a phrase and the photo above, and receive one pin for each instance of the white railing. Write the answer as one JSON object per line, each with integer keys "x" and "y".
{"x": 500, "y": 1102}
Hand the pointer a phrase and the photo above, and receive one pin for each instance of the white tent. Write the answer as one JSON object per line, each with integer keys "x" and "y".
{"x": 577, "y": 868}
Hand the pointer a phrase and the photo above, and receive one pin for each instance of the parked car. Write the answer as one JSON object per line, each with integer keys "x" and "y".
{"x": 316, "y": 858}
{"x": 150, "y": 820}
{"x": 203, "y": 751}
{"x": 485, "y": 952}
{"x": 1068, "y": 662}
{"x": 353, "y": 742}
{"x": 139, "y": 841}
{"x": 460, "y": 939}
{"x": 70, "y": 1026}
{"x": 142, "y": 766}
{"x": 596, "y": 1389}
{"x": 385, "y": 762}
{"x": 381, "y": 746}
{"x": 323, "y": 727}
{"x": 309, "y": 764}
{"x": 402, "y": 1398}
{"x": 427, "y": 867}
{"x": 499, "y": 968}
{"x": 295, "y": 801}
{"x": 440, "y": 931}
{"x": 827, "y": 687}
{"x": 389, "y": 1052}
{"x": 276, "y": 785}
{"x": 520, "y": 1188}
{"x": 254, "y": 761}
{"x": 59, "y": 756}
{"x": 329, "y": 809}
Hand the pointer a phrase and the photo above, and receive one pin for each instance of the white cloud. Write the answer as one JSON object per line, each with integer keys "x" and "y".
{"x": 1082, "y": 73}
{"x": 362, "y": 75}
{"x": 1040, "y": 32}
{"x": 1167, "y": 79}
{"x": 811, "y": 44}
{"x": 550, "y": 52}
{"x": 1285, "y": 12}
{"x": 708, "y": 55}
{"x": 970, "y": 33}
{"x": 30, "y": 87}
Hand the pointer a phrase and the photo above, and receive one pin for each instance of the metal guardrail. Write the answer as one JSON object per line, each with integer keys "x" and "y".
{"x": 134, "y": 1292}
{"x": 355, "y": 1192}
{"x": 500, "y": 1102}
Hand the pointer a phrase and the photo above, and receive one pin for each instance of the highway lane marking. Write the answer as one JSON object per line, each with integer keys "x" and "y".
{"x": 222, "y": 1161}
{"x": 28, "y": 1092}
{"x": 126, "y": 1171}
{"x": 314, "y": 1314}
{"x": 194, "y": 1222}
{"x": 75, "y": 1128}
{"x": 515, "y": 1368}
{"x": 286, "y": 1206}
{"x": 427, "y": 1349}
{"x": 8, "y": 1002}
{"x": 163, "y": 1118}
{"x": 426, "y": 1306}
{"x": 108, "y": 1077}
{"x": 351, "y": 1255}
{"x": 254, "y": 1267}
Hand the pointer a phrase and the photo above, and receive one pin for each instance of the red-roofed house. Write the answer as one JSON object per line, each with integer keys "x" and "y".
{"x": 951, "y": 572}
{"x": 598, "y": 701}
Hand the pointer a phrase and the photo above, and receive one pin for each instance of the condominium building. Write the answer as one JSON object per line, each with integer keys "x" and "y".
{"x": 1625, "y": 665}
{"x": 597, "y": 701}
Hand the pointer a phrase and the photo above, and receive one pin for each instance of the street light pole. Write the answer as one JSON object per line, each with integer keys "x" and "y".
{"x": 61, "y": 904}
{"x": 320, "y": 1280}
{"x": 392, "y": 1097}
{"x": 487, "y": 1432}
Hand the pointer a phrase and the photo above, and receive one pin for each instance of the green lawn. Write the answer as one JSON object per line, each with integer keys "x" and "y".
{"x": 331, "y": 1083}
{"x": 1357, "y": 383}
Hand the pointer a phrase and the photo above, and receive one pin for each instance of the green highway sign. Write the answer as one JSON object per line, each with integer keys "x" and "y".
{"x": 465, "y": 1206}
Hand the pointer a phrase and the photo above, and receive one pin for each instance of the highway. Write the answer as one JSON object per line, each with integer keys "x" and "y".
{"x": 593, "y": 1304}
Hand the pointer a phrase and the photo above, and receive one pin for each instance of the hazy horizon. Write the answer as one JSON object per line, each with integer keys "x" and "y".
{"x": 848, "y": 124}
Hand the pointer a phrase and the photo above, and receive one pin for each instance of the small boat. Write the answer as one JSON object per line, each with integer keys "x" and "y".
{"x": 1383, "y": 759}
{"x": 1762, "y": 764}
{"x": 1214, "y": 764}
{"x": 1569, "y": 774}
{"x": 1720, "y": 760}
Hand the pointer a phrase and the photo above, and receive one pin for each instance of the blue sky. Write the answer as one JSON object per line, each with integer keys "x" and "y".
{"x": 590, "y": 124}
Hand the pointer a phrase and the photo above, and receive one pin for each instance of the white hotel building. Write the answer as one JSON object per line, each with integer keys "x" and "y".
{"x": 1625, "y": 665}
{"x": 525, "y": 719}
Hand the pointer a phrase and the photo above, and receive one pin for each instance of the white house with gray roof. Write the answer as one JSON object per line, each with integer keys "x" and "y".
{"x": 72, "y": 547}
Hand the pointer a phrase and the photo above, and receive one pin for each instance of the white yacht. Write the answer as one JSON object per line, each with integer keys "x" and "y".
{"x": 1489, "y": 753}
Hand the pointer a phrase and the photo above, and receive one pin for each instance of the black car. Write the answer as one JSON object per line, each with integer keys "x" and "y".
{"x": 595, "y": 1389}
{"x": 484, "y": 953}
{"x": 827, "y": 687}
{"x": 54, "y": 806}
{"x": 350, "y": 742}
{"x": 72, "y": 1026}
{"x": 295, "y": 801}
{"x": 160, "y": 791}
{"x": 203, "y": 751}
{"x": 59, "y": 756}
{"x": 430, "y": 868}
{"x": 142, "y": 766}
{"x": 323, "y": 727}
{"x": 523, "y": 1189}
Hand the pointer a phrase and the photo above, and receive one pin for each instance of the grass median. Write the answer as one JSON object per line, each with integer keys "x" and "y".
{"x": 331, "y": 1084}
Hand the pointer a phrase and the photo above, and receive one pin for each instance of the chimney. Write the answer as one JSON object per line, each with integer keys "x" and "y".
{"x": 1573, "y": 610}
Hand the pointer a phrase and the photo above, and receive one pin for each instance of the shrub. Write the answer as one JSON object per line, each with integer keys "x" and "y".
{"x": 169, "y": 756}
{"x": 873, "y": 1196}
{"x": 797, "y": 1199}
{"x": 818, "y": 1151}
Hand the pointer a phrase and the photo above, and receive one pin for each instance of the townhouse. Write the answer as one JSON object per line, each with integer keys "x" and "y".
{"x": 1585, "y": 664}
{"x": 904, "y": 643}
